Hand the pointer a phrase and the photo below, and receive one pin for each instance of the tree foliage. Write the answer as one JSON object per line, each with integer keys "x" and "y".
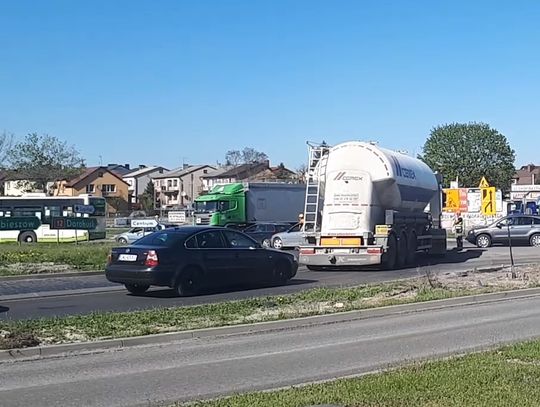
{"x": 469, "y": 152}
{"x": 247, "y": 156}
{"x": 147, "y": 198}
{"x": 43, "y": 159}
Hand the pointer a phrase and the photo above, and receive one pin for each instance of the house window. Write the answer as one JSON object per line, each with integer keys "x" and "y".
{"x": 205, "y": 171}
{"x": 175, "y": 182}
{"x": 90, "y": 188}
{"x": 169, "y": 183}
{"x": 108, "y": 188}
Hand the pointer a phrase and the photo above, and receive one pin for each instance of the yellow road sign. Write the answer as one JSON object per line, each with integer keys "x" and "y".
{"x": 483, "y": 183}
{"x": 488, "y": 201}
{"x": 452, "y": 200}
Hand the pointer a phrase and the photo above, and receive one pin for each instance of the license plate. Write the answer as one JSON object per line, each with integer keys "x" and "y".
{"x": 127, "y": 257}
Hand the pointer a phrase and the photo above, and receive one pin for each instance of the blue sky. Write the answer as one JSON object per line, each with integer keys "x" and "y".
{"x": 158, "y": 82}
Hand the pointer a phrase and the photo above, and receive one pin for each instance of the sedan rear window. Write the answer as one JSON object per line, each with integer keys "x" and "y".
{"x": 160, "y": 239}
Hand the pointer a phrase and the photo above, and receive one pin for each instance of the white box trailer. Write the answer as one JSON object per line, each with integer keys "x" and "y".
{"x": 366, "y": 205}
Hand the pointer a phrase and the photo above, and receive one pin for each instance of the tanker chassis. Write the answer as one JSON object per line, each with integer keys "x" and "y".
{"x": 366, "y": 205}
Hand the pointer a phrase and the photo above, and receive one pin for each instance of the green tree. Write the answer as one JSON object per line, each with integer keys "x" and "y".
{"x": 43, "y": 159}
{"x": 147, "y": 199}
{"x": 469, "y": 152}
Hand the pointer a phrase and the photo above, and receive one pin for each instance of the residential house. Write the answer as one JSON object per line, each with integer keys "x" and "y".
{"x": 14, "y": 185}
{"x": 180, "y": 187}
{"x": 527, "y": 175}
{"x": 239, "y": 173}
{"x": 261, "y": 172}
{"x": 138, "y": 180}
{"x": 98, "y": 181}
{"x": 119, "y": 169}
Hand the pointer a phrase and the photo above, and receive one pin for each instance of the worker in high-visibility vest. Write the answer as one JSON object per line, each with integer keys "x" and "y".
{"x": 458, "y": 230}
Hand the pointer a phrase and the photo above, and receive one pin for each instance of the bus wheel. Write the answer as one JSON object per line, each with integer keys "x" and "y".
{"x": 27, "y": 237}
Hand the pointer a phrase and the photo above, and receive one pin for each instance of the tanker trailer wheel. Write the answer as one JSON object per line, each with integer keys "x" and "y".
{"x": 411, "y": 247}
{"x": 402, "y": 252}
{"x": 390, "y": 257}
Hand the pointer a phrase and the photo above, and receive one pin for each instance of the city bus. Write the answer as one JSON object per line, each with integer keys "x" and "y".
{"x": 44, "y": 208}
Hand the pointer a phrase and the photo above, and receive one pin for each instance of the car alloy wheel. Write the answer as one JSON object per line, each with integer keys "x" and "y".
{"x": 278, "y": 243}
{"x": 535, "y": 240}
{"x": 483, "y": 241}
{"x": 266, "y": 242}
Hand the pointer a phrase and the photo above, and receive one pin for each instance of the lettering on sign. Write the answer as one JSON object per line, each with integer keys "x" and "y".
{"x": 20, "y": 223}
{"x": 67, "y": 222}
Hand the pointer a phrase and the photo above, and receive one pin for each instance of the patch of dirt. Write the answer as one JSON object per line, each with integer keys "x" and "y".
{"x": 506, "y": 278}
{"x": 15, "y": 340}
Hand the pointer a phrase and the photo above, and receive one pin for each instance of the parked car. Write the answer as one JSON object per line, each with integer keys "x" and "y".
{"x": 523, "y": 229}
{"x": 188, "y": 258}
{"x": 134, "y": 234}
{"x": 263, "y": 232}
{"x": 289, "y": 239}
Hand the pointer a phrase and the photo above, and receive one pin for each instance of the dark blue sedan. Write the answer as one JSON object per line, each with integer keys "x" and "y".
{"x": 194, "y": 257}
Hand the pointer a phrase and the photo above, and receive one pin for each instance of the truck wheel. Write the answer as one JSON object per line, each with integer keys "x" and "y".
{"x": 390, "y": 257}
{"x": 27, "y": 237}
{"x": 411, "y": 248}
{"x": 402, "y": 251}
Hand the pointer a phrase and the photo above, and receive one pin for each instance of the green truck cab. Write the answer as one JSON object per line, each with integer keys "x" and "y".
{"x": 241, "y": 204}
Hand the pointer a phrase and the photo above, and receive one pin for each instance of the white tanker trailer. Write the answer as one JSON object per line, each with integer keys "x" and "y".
{"x": 367, "y": 205}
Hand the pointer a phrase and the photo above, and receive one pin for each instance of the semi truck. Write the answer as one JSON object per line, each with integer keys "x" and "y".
{"x": 242, "y": 204}
{"x": 367, "y": 205}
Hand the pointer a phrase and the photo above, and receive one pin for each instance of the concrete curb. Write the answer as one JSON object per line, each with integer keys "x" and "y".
{"x": 49, "y": 351}
{"x": 51, "y": 275}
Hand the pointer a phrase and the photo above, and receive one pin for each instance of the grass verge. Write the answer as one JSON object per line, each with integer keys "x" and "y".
{"x": 43, "y": 258}
{"x": 509, "y": 376}
{"x": 311, "y": 302}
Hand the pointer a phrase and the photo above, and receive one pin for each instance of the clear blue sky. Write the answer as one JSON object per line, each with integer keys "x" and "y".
{"x": 156, "y": 82}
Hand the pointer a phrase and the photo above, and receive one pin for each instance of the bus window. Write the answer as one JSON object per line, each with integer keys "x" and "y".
{"x": 51, "y": 211}
{"x": 28, "y": 211}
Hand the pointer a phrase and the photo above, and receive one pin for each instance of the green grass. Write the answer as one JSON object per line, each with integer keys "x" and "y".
{"x": 15, "y": 259}
{"x": 316, "y": 301}
{"x": 506, "y": 377}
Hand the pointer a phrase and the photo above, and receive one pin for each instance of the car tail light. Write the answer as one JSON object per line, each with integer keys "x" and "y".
{"x": 151, "y": 259}
{"x": 377, "y": 250}
{"x": 307, "y": 251}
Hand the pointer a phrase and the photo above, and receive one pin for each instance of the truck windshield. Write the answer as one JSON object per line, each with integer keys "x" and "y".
{"x": 211, "y": 206}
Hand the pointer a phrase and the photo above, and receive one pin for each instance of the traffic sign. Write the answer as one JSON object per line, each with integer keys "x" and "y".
{"x": 72, "y": 222}
{"x": 452, "y": 200}
{"x": 176, "y": 216}
{"x": 85, "y": 209}
{"x": 143, "y": 223}
{"x": 483, "y": 183}
{"x": 20, "y": 223}
{"x": 488, "y": 201}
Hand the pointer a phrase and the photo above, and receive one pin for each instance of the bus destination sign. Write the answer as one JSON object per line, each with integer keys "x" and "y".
{"x": 19, "y": 223}
{"x": 70, "y": 222}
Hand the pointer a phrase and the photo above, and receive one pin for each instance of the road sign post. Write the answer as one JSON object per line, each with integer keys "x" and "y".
{"x": 71, "y": 222}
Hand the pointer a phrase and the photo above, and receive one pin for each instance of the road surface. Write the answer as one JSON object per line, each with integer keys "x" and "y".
{"x": 122, "y": 301}
{"x": 210, "y": 367}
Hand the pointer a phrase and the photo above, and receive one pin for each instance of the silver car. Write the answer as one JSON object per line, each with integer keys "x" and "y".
{"x": 135, "y": 234}
{"x": 289, "y": 239}
{"x": 522, "y": 229}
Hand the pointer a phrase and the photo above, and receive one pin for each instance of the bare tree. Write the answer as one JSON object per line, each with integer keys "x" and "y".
{"x": 233, "y": 157}
{"x": 6, "y": 142}
{"x": 250, "y": 155}
{"x": 301, "y": 171}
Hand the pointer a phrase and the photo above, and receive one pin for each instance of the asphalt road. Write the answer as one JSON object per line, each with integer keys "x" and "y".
{"x": 214, "y": 366}
{"x": 122, "y": 301}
